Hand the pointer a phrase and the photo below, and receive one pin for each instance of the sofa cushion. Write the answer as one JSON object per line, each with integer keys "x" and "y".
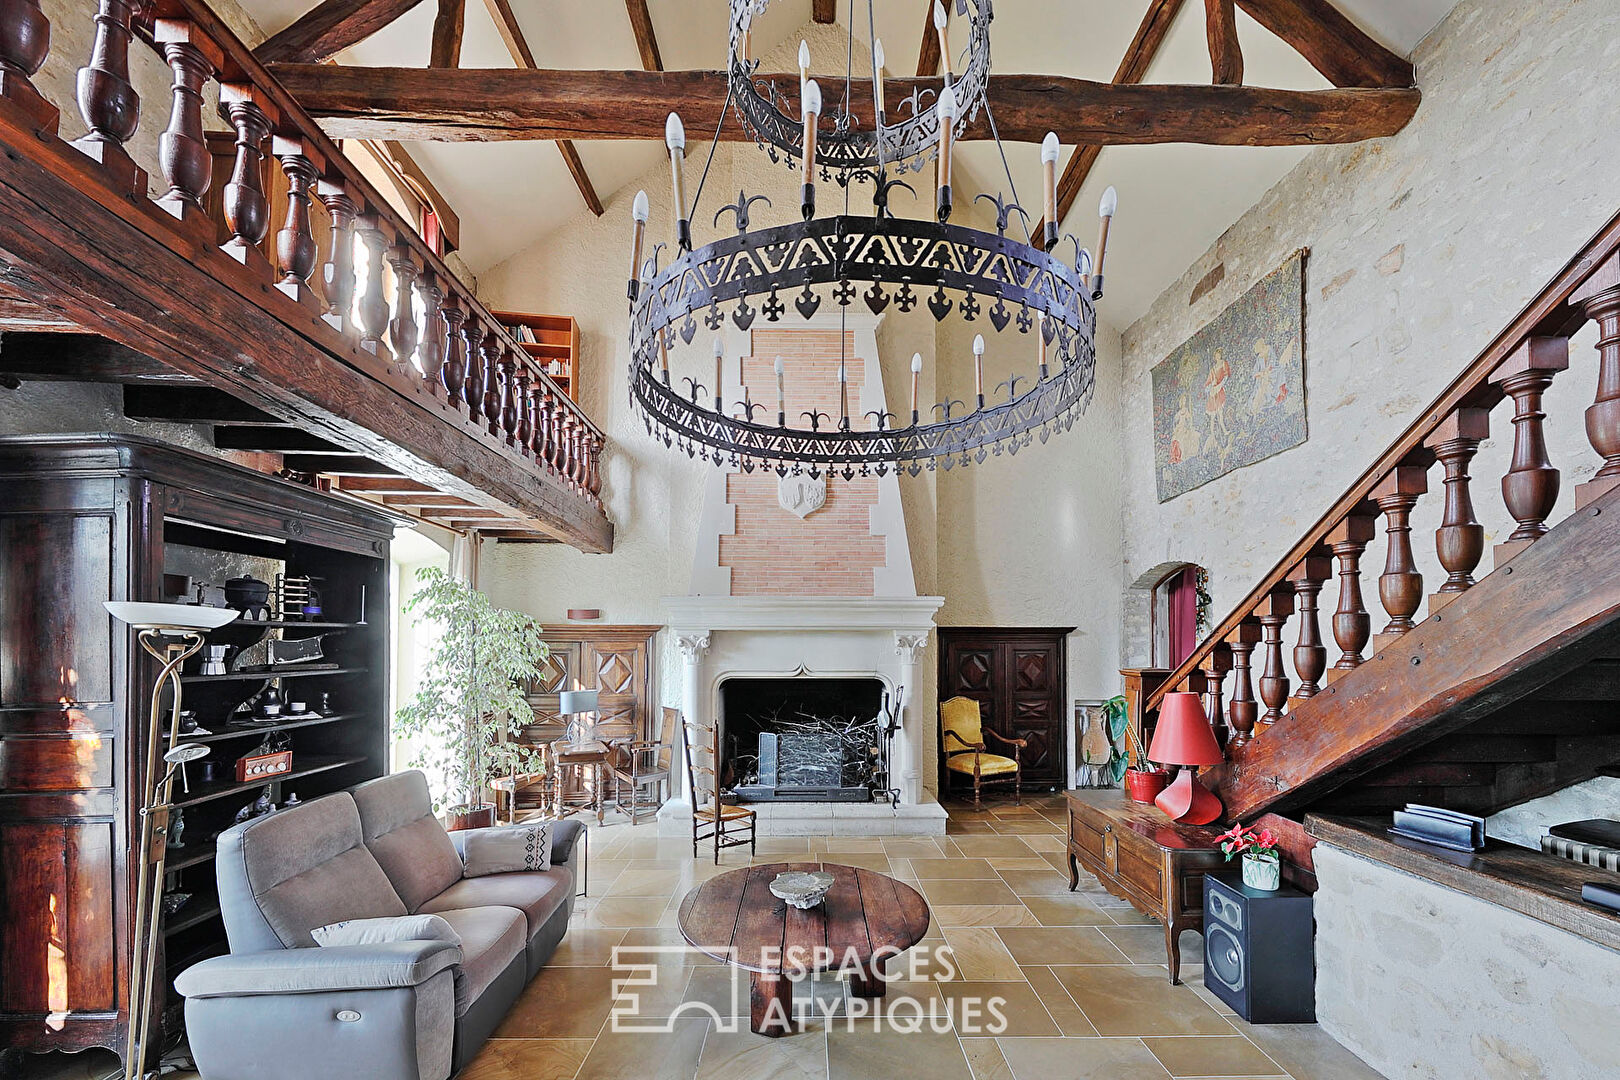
{"x": 507, "y": 850}
{"x": 286, "y": 873}
{"x": 491, "y": 938}
{"x": 382, "y": 931}
{"x": 396, "y": 819}
{"x": 536, "y": 894}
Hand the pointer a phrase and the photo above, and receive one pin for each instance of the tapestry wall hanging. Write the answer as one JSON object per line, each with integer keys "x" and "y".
{"x": 1233, "y": 393}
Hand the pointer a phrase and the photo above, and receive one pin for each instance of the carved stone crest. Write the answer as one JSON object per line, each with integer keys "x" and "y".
{"x": 801, "y": 495}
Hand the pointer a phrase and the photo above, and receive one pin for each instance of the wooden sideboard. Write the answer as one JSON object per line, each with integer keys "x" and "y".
{"x": 1141, "y": 856}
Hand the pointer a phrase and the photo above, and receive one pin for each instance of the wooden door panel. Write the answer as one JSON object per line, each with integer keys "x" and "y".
{"x": 1016, "y": 676}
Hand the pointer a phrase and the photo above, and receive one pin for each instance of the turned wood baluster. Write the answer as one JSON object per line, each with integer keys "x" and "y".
{"x": 107, "y": 101}
{"x": 1244, "y": 710}
{"x": 509, "y": 397}
{"x": 525, "y": 423}
{"x": 593, "y": 476}
{"x": 453, "y": 368}
{"x": 537, "y": 419}
{"x": 1530, "y": 488}
{"x": 402, "y": 332}
{"x": 25, "y": 42}
{"x": 296, "y": 250}
{"x": 433, "y": 324}
{"x": 338, "y": 273}
{"x": 247, "y": 210}
{"x": 570, "y": 447}
{"x": 491, "y": 353}
{"x": 1272, "y": 613}
{"x": 374, "y": 297}
{"x": 182, "y": 151}
{"x": 578, "y": 449}
{"x": 1352, "y": 625}
{"x": 1215, "y": 665}
{"x": 1310, "y": 655}
{"x": 1460, "y": 539}
{"x": 473, "y": 388}
{"x": 549, "y": 417}
{"x": 1599, "y": 296}
{"x": 1400, "y": 586}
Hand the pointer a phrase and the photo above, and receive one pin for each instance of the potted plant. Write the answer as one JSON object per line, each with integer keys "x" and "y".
{"x": 1262, "y": 860}
{"x": 470, "y": 705}
{"x": 1143, "y": 779}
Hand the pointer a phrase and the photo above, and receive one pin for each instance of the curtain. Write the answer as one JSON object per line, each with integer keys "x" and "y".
{"x": 464, "y": 559}
{"x": 1182, "y": 594}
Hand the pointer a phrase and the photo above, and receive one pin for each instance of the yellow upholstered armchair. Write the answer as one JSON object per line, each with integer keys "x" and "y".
{"x": 962, "y": 743}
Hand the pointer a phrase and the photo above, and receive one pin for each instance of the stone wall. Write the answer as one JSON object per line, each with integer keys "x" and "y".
{"x": 1528, "y": 822}
{"x": 1427, "y": 983}
{"x": 1422, "y": 247}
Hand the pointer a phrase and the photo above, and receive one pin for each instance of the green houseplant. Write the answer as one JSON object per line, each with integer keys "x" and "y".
{"x": 470, "y": 705}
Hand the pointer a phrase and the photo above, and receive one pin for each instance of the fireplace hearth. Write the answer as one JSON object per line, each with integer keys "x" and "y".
{"x": 803, "y": 739}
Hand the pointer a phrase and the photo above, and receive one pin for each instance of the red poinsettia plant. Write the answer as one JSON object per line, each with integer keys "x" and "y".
{"x": 1243, "y": 839}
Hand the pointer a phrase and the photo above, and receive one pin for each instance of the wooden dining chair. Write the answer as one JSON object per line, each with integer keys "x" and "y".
{"x": 962, "y": 741}
{"x": 727, "y": 826}
{"x": 640, "y": 764}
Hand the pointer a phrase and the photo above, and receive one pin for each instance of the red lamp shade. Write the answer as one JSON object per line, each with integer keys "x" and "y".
{"x": 1183, "y": 737}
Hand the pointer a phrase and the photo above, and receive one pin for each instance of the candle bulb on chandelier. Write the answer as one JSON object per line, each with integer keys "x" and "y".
{"x": 719, "y": 359}
{"x": 947, "y": 134}
{"x": 781, "y": 396}
{"x": 675, "y": 139}
{"x": 916, "y": 372}
{"x": 944, "y": 46}
{"x": 638, "y": 217}
{"x": 807, "y": 162}
{"x": 804, "y": 67}
{"x": 877, "y": 79}
{"x": 978, "y": 368}
{"x": 1049, "y": 156}
{"x": 1105, "y": 212}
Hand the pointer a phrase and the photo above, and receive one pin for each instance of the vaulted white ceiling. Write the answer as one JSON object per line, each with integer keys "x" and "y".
{"x": 1175, "y": 200}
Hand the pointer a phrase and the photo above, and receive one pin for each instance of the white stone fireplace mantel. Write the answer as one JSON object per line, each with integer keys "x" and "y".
{"x": 884, "y": 637}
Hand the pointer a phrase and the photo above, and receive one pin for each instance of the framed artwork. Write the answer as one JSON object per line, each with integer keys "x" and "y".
{"x": 1233, "y": 393}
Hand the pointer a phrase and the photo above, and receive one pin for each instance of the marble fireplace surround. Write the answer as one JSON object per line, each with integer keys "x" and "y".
{"x": 883, "y": 638}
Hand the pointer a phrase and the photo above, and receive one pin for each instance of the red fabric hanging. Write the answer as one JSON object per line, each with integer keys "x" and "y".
{"x": 1182, "y": 594}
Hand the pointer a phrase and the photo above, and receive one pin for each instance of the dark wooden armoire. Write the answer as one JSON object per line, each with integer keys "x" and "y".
{"x": 1017, "y": 675}
{"x": 89, "y": 518}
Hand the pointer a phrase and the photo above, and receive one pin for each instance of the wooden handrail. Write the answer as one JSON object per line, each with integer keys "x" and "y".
{"x": 1549, "y": 314}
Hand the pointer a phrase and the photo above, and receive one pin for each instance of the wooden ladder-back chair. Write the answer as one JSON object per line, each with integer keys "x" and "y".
{"x": 712, "y": 819}
{"x": 962, "y": 735}
{"x": 640, "y": 764}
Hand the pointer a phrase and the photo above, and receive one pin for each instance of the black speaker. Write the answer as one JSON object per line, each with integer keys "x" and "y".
{"x": 1259, "y": 954}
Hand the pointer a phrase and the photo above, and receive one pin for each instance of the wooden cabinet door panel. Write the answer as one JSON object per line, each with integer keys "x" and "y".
{"x": 1017, "y": 677}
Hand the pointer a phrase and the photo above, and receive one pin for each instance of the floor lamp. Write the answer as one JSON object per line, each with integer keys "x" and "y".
{"x": 170, "y": 634}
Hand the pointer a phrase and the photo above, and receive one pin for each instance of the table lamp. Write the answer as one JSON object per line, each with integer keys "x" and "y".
{"x": 1183, "y": 737}
{"x": 573, "y": 704}
{"x": 170, "y": 634}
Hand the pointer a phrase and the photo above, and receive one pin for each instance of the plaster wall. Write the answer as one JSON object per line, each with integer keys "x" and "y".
{"x": 1424, "y": 982}
{"x": 1034, "y": 541}
{"x": 1422, "y": 247}
{"x": 1528, "y": 822}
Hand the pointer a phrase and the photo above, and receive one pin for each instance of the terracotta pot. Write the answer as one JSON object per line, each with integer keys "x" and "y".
{"x": 479, "y": 818}
{"x": 1144, "y": 786}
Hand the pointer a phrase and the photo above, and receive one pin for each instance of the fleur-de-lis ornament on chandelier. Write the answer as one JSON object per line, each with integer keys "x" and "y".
{"x": 1021, "y": 286}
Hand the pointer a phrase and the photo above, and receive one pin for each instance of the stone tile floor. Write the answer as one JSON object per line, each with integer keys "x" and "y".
{"x": 1079, "y": 977}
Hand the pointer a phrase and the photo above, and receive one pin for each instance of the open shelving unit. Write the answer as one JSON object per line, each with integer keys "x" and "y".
{"x": 552, "y": 340}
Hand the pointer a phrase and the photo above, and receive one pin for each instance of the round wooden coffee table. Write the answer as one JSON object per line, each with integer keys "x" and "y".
{"x": 866, "y": 918}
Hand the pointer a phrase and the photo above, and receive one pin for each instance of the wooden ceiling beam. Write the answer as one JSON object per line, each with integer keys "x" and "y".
{"x": 1334, "y": 45}
{"x": 824, "y": 11}
{"x": 646, "y": 40}
{"x": 329, "y": 28}
{"x": 469, "y": 105}
{"x": 448, "y": 28}
{"x": 1225, "y": 54}
{"x": 517, "y": 46}
{"x": 1150, "y": 34}
{"x": 380, "y": 485}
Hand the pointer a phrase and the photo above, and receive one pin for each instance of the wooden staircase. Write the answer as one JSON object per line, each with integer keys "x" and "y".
{"x": 339, "y": 341}
{"x": 1506, "y": 690}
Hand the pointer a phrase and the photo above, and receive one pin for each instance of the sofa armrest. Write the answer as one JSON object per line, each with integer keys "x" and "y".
{"x": 313, "y": 970}
{"x": 563, "y": 836}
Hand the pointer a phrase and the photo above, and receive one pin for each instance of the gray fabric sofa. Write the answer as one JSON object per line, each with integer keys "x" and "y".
{"x": 279, "y": 1006}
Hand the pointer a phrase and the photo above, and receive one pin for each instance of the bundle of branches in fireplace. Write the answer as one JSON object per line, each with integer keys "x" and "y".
{"x": 860, "y": 738}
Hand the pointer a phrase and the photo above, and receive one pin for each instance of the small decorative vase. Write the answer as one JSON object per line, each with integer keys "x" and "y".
{"x": 1263, "y": 872}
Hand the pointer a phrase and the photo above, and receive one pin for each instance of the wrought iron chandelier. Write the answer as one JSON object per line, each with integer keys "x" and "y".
{"x": 877, "y": 259}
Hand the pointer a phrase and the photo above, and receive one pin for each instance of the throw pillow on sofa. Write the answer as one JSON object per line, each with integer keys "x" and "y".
{"x": 383, "y": 931}
{"x": 508, "y": 850}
